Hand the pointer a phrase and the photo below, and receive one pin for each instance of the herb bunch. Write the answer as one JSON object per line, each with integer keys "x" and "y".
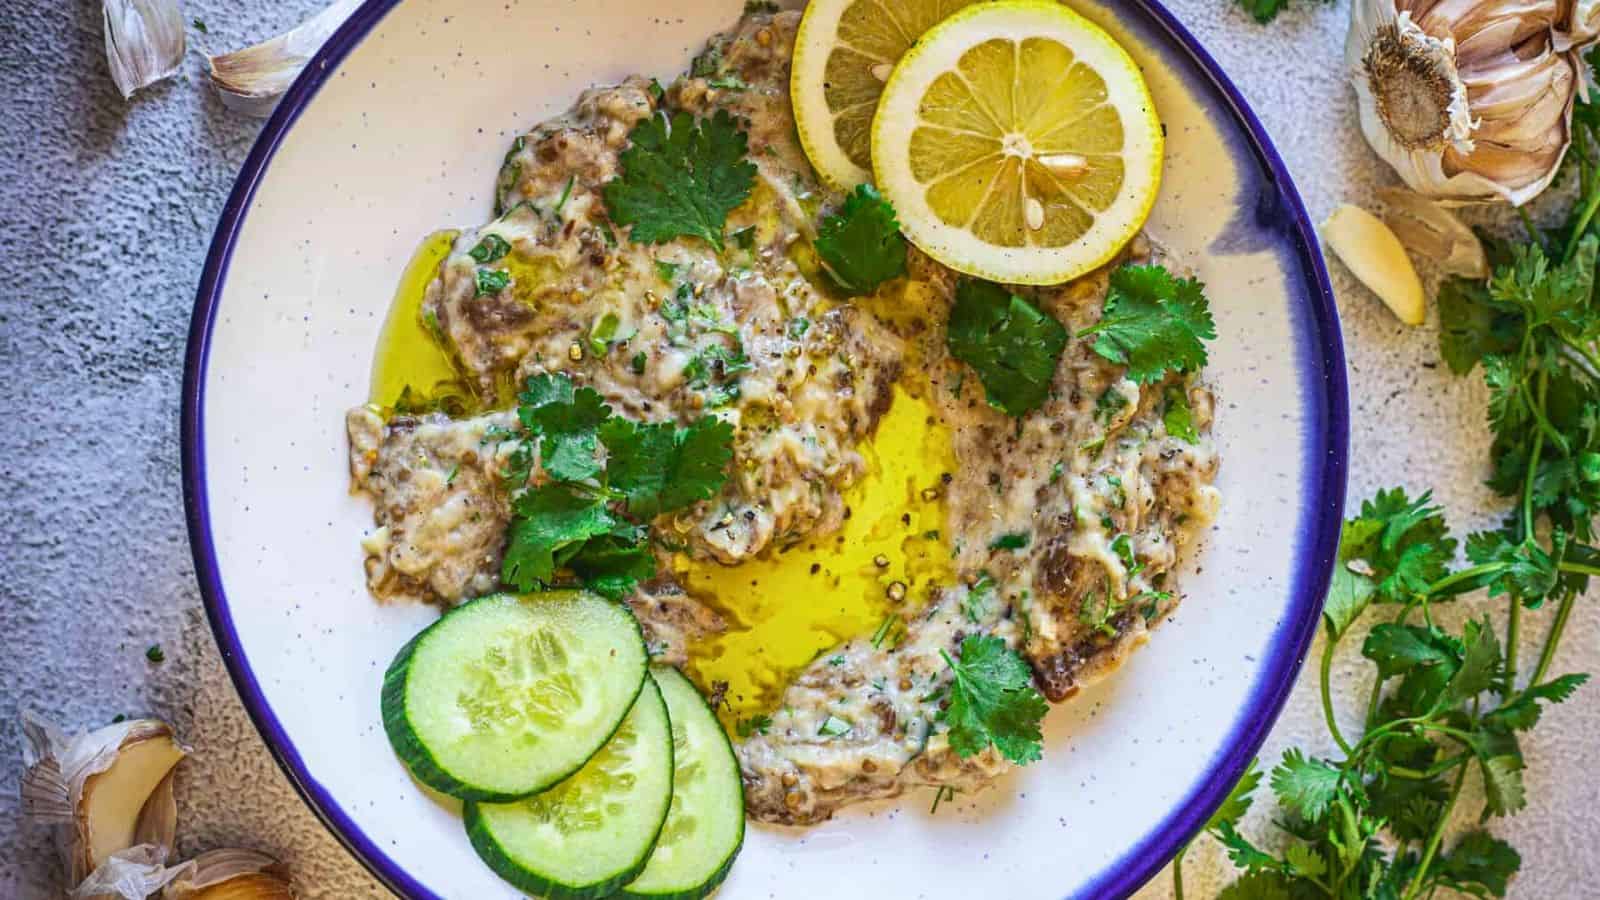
{"x": 604, "y": 478}
{"x": 1371, "y": 821}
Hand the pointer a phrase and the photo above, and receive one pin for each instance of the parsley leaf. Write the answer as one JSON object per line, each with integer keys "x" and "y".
{"x": 1305, "y": 785}
{"x": 992, "y": 702}
{"x": 1012, "y": 345}
{"x": 681, "y": 177}
{"x": 1153, "y": 323}
{"x": 861, "y": 246}
{"x": 660, "y": 468}
{"x": 566, "y": 421}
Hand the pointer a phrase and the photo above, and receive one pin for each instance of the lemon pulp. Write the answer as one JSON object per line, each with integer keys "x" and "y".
{"x": 1013, "y": 159}
{"x": 785, "y": 607}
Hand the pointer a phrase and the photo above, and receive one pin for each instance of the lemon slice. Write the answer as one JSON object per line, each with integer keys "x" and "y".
{"x": 843, "y": 54}
{"x": 1018, "y": 142}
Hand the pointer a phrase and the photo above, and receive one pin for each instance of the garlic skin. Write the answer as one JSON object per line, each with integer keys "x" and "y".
{"x": 252, "y": 80}
{"x": 1434, "y": 233}
{"x": 1470, "y": 100}
{"x": 231, "y": 875}
{"x": 145, "y": 41}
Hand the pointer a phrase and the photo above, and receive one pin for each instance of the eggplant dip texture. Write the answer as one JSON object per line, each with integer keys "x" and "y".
{"x": 1066, "y": 522}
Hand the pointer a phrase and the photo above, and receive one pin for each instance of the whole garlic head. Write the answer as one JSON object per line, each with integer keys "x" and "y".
{"x": 1470, "y": 100}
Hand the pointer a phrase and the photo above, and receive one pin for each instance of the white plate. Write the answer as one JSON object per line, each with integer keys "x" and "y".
{"x": 397, "y": 129}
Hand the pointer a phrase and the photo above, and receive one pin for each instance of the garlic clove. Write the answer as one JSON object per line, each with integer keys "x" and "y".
{"x": 1434, "y": 233}
{"x": 231, "y": 875}
{"x": 1375, "y": 256}
{"x": 252, "y": 80}
{"x": 111, "y": 801}
{"x": 144, "y": 41}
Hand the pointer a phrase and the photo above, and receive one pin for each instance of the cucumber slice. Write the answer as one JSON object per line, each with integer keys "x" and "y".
{"x": 705, "y": 827}
{"x": 592, "y": 833}
{"x": 505, "y": 696}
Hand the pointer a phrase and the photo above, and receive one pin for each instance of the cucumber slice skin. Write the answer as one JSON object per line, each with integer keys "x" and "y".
{"x": 525, "y": 877}
{"x": 409, "y": 746}
{"x": 686, "y": 703}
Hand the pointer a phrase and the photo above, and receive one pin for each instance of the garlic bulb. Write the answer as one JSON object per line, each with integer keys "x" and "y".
{"x": 251, "y": 80}
{"x": 144, "y": 41}
{"x": 1470, "y": 100}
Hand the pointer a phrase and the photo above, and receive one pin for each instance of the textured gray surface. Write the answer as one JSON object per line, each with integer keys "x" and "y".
{"x": 106, "y": 210}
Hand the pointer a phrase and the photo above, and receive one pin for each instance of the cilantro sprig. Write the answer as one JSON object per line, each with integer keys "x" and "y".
{"x": 588, "y": 516}
{"x": 1012, "y": 345}
{"x": 1373, "y": 819}
{"x": 1153, "y": 323}
{"x": 681, "y": 177}
{"x": 992, "y": 702}
{"x": 860, "y": 246}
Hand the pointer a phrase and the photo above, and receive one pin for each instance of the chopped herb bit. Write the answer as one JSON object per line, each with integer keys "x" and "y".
{"x": 943, "y": 792}
{"x": 891, "y": 624}
{"x": 491, "y": 281}
{"x": 637, "y": 363}
{"x": 1153, "y": 323}
{"x": 861, "y": 246}
{"x": 667, "y": 270}
{"x": 975, "y": 605}
{"x": 798, "y": 327}
{"x": 837, "y": 660}
{"x": 155, "y": 654}
{"x": 200, "y": 27}
{"x": 728, "y": 83}
{"x": 760, "y": 6}
{"x": 1055, "y": 472}
{"x": 681, "y": 177}
{"x": 992, "y": 702}
{"x": 490, "y": 248}
{"x": 1110, "y": 402}
{"x": 745, "y": 238}
{"x": 833, "y": 726}
{"x": 1097, "y": 610}
{"x": 566, "y": 194}
{"x": 1015, "y": 540}
{"x": 656, "y": 91}
{"x": 1009, "y": 342}
{"x": 757, "y": 724}
{"x": 451, "y": 478}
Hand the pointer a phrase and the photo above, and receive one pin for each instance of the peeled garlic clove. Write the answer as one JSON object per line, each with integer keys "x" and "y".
{"x": 1434, "y": 233}
{"x": 231, "y": 875}
{"x": 109, "y": 787}
{"x": 1472, "y": 100}
{"x": 144, "y": 41}
{"x": 252, "y": 80}
{"x": 1372, "y": 252}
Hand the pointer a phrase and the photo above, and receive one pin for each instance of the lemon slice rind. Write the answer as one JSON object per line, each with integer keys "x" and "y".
{"x": 938, "y": 52}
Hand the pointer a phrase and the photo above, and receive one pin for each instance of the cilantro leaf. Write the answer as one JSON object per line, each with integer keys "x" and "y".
{"x": 1237, "y": 803}
{"x": 566, "y": 421}
{"x": 992, "y": 701}
{"x": 1479, "y": 859}
{"x": 1471, "y": 326}
{"x": 1263, "y": 11}
{"x": 550, "y": 526}
{"x": 1012, "y": 344}
{"x": 1178, "y": 418}
{"x": 1305, "y": 785}
{"x": 660, "y": 468}
{"x": 1528, "y": 572}
{"x": 861, "y": 246}
{"x": 1480, "y": 662}
{"x": 1259, "y": 885}
{"x": 681, "y": 177}
{"x": 1403, "y": 541}
{"x": 1153, "y": 323}
{"x": 610, "y": 565}
{"x": 1503, "y": 791}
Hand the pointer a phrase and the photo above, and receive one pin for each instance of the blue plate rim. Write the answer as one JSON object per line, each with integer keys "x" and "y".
{"x": 1327, "y": 466}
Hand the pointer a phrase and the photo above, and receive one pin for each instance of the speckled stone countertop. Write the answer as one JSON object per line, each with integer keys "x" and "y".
{"x": 106, "y": 210}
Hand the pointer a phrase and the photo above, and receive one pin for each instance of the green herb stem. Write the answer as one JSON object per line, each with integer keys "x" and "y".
{"x": 1584, "y": 217}
{"x": 1327, "y": 696}
{"x": 1432, "y": 848}
{"x": 1553, "y": 640}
